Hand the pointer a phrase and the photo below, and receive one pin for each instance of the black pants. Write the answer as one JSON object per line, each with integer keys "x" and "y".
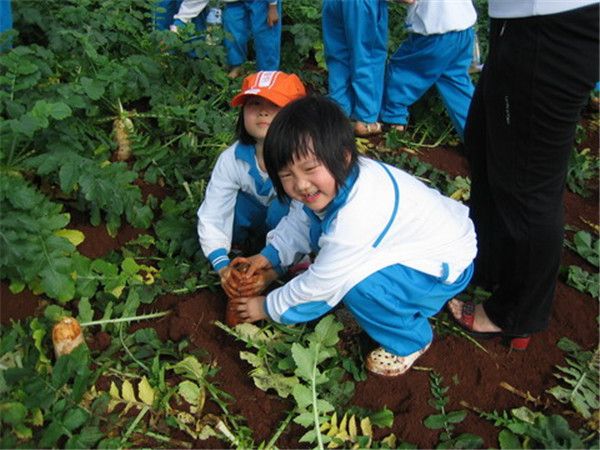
{"x": 518, "y": 137}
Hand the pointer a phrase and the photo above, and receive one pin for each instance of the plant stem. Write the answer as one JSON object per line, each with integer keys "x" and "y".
{"x": 198, "y": 286}
{"x": 137, "y": 361}
{"x": 126, "y": 319}
{"x": 313, "y": 387}
{"x": 281, "y": 428}
{"x": 134, "y": 424}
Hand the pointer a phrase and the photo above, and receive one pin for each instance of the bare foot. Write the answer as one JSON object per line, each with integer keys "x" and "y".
{"x": 481, "y": 322}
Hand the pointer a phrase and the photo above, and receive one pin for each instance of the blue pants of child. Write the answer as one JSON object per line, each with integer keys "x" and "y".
{"x": 393, "y": 305}
{"x": 355, "y": 41}
{"x": 5, "y": 21}
{"x": 243, "y": 19}
{"x": 163, "y": 17}
{"x": 440, "y": 60}
{"x": 252, "y": 217}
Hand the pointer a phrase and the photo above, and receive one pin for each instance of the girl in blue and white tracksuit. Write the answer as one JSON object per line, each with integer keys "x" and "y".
{"x": 240, "y": 199}
{"x": 393, "y": 250}
{"x": 438, "y": 51}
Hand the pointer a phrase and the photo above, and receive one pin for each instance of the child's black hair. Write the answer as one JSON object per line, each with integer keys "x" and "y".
{"x": 241, "y": 133}
{"x": 310, "y": 124}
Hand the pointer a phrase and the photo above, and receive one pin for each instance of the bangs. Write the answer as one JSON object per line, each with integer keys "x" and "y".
{"x": 310, "y": 126}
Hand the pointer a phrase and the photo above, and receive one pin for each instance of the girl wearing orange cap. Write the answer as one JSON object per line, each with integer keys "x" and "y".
{"x": 240, "y": 198}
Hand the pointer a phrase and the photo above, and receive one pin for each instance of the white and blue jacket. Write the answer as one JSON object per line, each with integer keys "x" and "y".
{"x": 236, "y": 170}
{"x": 380, "y": 217}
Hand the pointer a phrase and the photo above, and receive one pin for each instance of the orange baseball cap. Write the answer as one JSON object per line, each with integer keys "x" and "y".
{"x": 275, "y": 86}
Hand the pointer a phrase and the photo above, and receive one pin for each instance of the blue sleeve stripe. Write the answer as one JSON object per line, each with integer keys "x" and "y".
{"x": 395, "y": 210}
{"x": 305, "y": 312}
{"x": 218, "y": 258}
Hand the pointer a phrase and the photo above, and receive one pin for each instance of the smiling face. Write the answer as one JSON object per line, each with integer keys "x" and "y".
{"x": 307, "y": 180}
{"x": 258, "y": 114}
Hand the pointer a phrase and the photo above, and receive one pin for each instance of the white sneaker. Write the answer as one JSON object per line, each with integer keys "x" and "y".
{"x": 387, "y": 364}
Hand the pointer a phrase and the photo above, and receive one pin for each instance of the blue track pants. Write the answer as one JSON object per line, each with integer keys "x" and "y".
{"x": 251, "y": 216}
{"x": 422, "y": 61}
{"x": 355, "y": 41}
{"x": 393, "y": 306}
{"x": 243, "y": 19}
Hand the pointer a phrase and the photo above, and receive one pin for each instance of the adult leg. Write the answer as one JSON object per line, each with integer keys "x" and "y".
{"x": 267, "y": 40}
{"x": 540, "y": 71}
{"x": 237, "y": 28}
{"x": 454, "y": 84}
{"x": 337, "y": 54}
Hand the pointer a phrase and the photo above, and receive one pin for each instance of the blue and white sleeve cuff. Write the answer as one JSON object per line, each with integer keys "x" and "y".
{"x": 219, "y": 259}
{"x": 272, "y": 255}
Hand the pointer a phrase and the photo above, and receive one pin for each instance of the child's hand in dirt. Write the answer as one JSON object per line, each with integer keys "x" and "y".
{"x": 249, "y": 309}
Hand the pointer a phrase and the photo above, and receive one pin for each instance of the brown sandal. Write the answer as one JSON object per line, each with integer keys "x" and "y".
{"x": 398, "y": 128}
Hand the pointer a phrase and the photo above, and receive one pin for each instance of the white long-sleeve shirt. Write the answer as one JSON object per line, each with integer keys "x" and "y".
{"x": 440, "y": 16}
{"x": 380, "y": 217}
{"x": 231, "y": 174}
{"x": 511, "y": 9}
{"x": 190, "y": 9}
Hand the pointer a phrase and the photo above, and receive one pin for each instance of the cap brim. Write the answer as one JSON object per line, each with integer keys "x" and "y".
{"x": 273, "y": 97}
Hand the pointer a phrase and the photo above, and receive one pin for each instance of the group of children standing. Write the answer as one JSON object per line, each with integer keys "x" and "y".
{"x": 241, "y": 20}
{"x": 437, "y": 52}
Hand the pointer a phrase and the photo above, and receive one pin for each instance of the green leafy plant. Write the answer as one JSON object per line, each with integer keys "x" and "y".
{"x": 523, "y": 428}
{"x": 33, "y": 249}
{"x": 445, "y": 420}
{"x": 582, "y": 280}
{"x": 585, "y": 246}
{"x": 302, "y": 363}
{"x": 583, "y": 167}
{"x": 579, "y": 377}
{"x": 42, "y": 406}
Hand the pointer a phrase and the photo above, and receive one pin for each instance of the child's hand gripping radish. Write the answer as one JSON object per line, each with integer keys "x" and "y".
{"x": 247, "y": 277}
